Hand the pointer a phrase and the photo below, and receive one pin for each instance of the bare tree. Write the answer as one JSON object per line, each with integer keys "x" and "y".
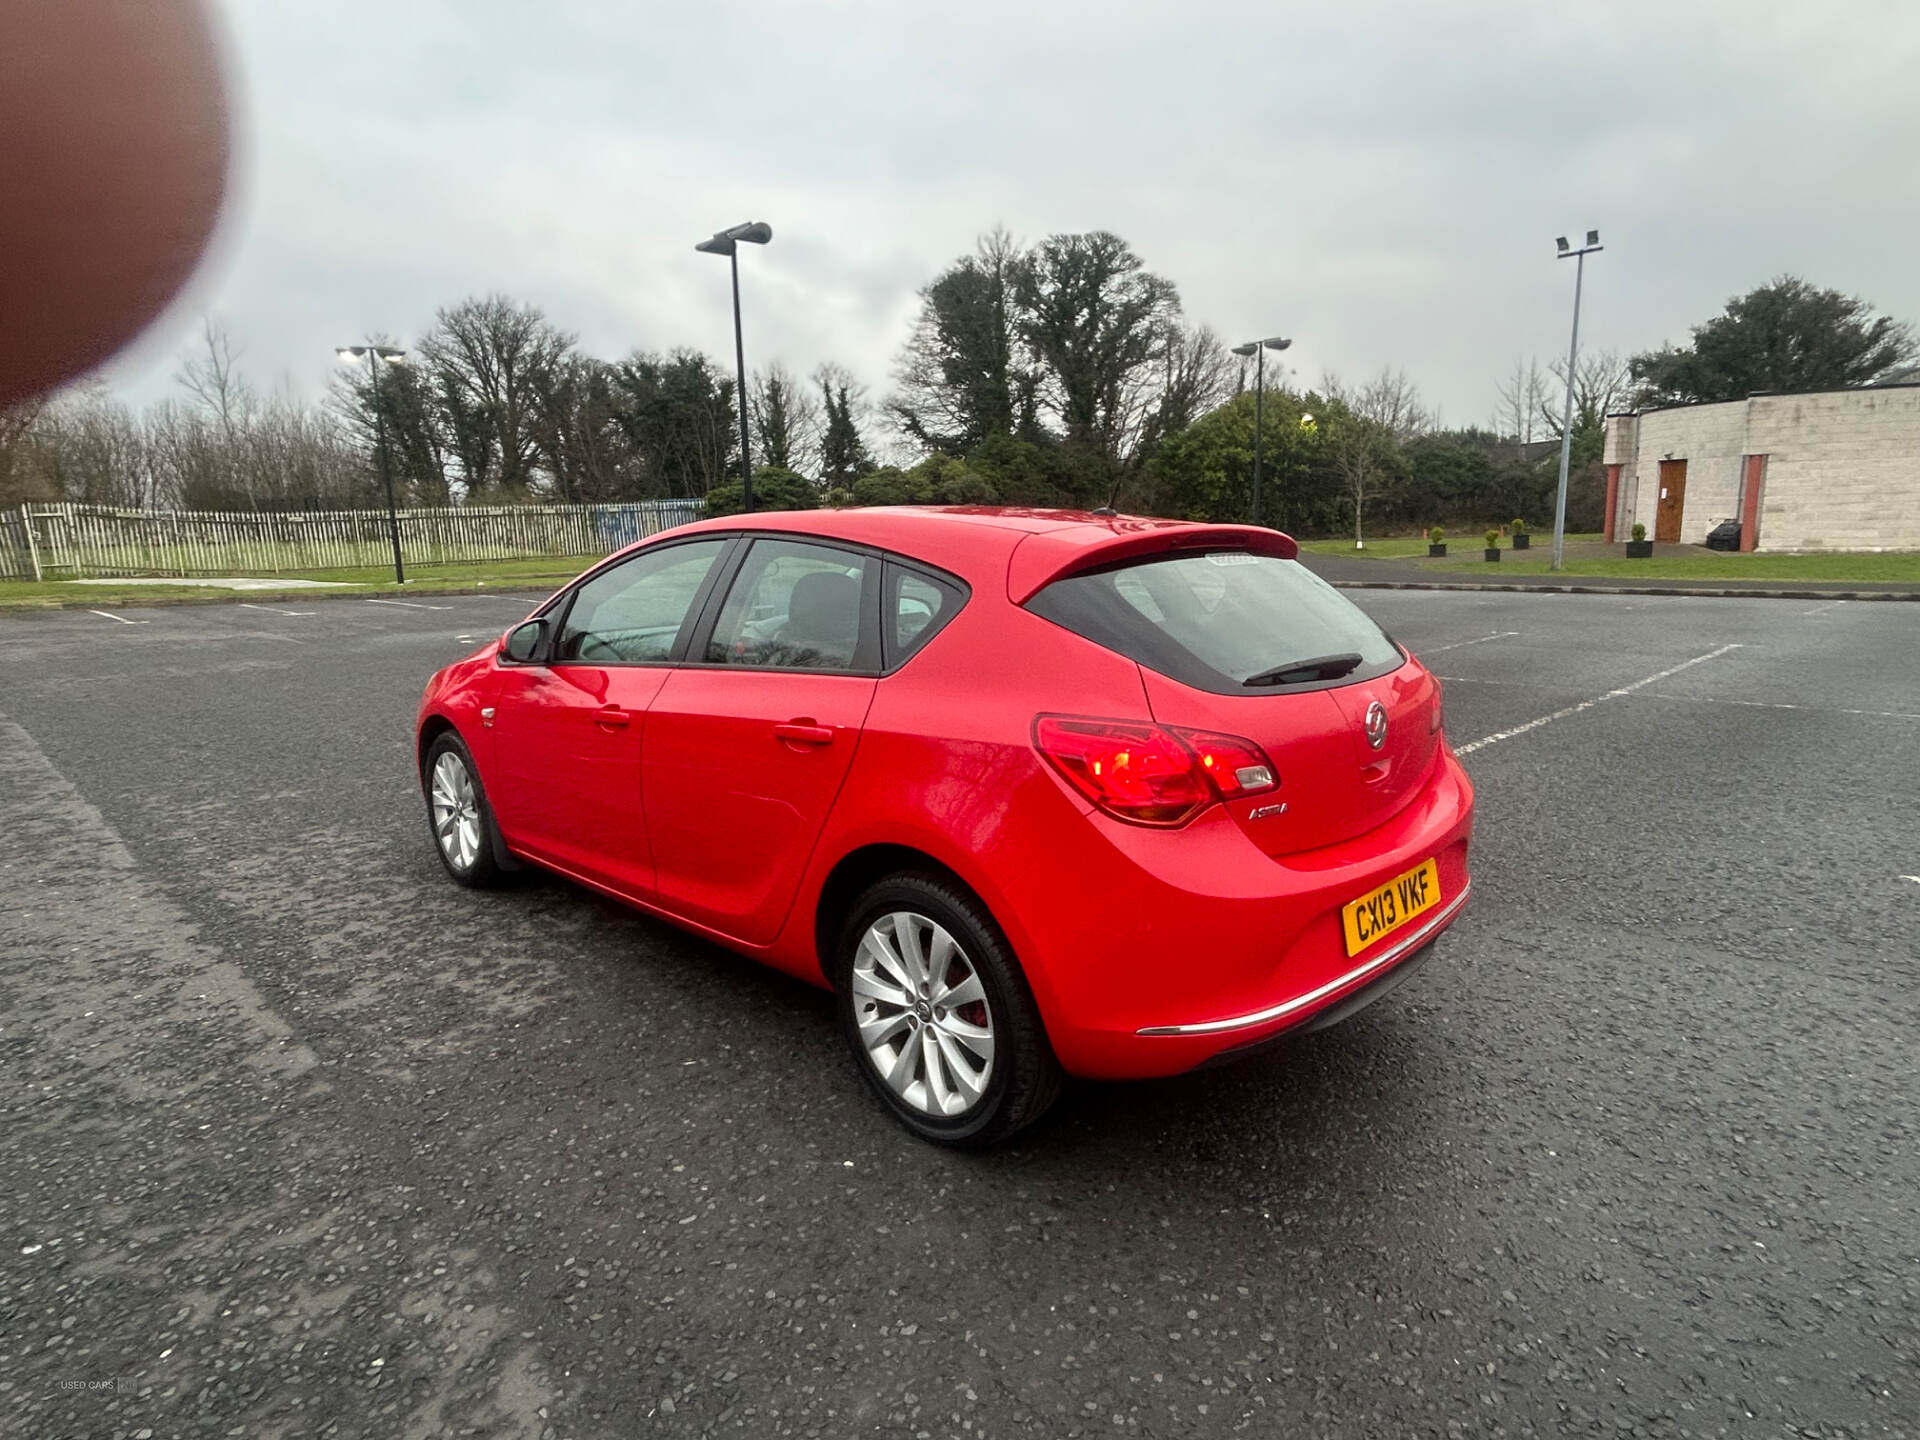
{"x": 1365, "y": 428}
{"x": 210, "y": 375}
{"x": 228, "y": 408}
{"x": 1521, "y": 398}
{"x": 299, "y": 457}
{"x": 87, "y": 447}
{"x": 1600, "y": 381}
{"x": 1198, "y": 375}
{"x": 1390, "y": 400}
{"x": 16, "y": 425}
{"x": 1367, "y": 455}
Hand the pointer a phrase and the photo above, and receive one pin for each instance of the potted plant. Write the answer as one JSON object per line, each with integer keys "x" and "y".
{"x": 1639, "y": 547}
{"x": 1493, "y": 543}
{"x": 1521, "y": 540}
{"x": 1436, "y": 543}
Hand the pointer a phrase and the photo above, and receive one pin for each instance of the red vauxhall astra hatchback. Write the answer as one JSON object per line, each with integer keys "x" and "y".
{"x": 1034, "y": 793}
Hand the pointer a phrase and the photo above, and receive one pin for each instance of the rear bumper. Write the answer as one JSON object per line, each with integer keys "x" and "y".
{"x": 1383, "y": 984}
{"x": 1303, "y": 1005}
{"x": 1177, "y": 947}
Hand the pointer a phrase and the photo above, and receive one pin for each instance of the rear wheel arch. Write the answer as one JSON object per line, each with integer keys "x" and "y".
{"x": 865, "y": 864}
{"x": 849, "y": 880}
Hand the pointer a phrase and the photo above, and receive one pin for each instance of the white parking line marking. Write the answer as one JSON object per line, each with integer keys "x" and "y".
{"x": 1782, "y": 705}
{"x": 1498, "y": 736}
{"x": 1699, "y": 699}
{"x": 1818, "y": 609}
{"x": 272, "y": 611}
{"x": 121, "y": 618}
{"x": 409, "y": 605}
{"x": 1914, "y": 878}
{"x": 1462, "y": 644}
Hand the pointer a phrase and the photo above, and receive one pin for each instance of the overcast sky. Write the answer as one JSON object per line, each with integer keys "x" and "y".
{"x": 1382, "y": 182}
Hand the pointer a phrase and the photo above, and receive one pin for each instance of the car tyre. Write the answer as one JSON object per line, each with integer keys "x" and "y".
{"x": 938, "y": 1015}
{"x": 461, "y": 820}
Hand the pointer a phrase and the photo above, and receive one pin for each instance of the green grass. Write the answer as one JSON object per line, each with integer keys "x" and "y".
{"x": 533, "y": 574}
{"x": 1590, "y": 555}
{"x": 1396, "y": 547}
{"x": 1404, "y": 547}
{"x": 1686, "y": 563}
{"x": 545, "y": 567}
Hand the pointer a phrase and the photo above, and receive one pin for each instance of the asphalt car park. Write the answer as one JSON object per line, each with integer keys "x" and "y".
{"x": 298, "y": 1134}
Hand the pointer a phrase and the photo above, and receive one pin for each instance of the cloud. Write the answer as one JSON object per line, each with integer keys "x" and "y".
{"x": 1383, "y": 182}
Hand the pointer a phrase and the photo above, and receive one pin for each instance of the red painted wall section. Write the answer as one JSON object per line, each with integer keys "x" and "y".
{"x": 1613, "y": 500}
{"x": 1750, "y": 501}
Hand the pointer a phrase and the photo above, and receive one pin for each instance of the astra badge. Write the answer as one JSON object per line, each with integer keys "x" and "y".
{"x": 1376, "y": 724}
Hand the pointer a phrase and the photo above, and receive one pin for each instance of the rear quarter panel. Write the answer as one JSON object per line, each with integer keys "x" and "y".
{"x": 946, "y": 766}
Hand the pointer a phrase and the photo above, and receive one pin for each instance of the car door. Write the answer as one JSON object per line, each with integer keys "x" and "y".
{"x": 748, "y": 743}
{"x": 570, "y": 726}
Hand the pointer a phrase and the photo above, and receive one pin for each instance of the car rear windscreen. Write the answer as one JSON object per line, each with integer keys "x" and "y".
{"x": 1224, "y": 620}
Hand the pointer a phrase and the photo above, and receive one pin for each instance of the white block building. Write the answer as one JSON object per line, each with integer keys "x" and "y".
{"x": 1832, "y": 470}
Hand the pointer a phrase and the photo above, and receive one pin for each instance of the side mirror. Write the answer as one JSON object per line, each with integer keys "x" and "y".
{"x": 523, "y": 641}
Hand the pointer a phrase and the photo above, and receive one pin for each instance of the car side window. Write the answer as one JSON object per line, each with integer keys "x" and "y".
{"x": 915, "y": 608}
{"x": 632, "y": 612}
{"x": 795, "y": 605}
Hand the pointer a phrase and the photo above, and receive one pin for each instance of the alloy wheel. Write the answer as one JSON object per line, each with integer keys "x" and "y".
{"x": 456, "y": 812}
{"x": 925, "y": 1024}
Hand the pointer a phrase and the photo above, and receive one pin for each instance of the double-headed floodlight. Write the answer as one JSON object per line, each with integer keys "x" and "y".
{"x": 1579, "y": 258}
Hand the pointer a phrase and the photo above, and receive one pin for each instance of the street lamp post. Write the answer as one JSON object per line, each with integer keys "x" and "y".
{"x": 376, "y": 356}
{"x": 1259, "y": 348}
{"x": 1566, "y": 424}
{"x": 727, "y": 243}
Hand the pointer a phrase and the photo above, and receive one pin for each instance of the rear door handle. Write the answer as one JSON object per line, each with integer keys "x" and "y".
{"x": 799, "y": 732}
{"x": 612, "y": 717}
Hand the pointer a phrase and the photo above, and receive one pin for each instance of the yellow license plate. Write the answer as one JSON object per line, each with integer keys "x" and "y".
{"x": 1381, "y": 912}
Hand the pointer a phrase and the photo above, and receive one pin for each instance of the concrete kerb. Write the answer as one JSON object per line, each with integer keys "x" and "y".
{"x": 1744, "y": 592}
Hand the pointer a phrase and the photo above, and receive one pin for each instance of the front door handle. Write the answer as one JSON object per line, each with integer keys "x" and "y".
{"x": 802, "y": 732}
{"x": 612, "y": 717}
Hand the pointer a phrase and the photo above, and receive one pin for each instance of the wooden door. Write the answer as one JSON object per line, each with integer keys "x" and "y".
{"x": 1673, "y": 500}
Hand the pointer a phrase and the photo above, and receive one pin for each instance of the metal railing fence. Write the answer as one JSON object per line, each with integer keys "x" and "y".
{"x": 82, "y": 542}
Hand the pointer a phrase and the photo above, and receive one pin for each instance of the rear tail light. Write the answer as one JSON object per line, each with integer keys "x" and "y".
{"x": 1438, "y": 719}
{"x": 1236, "y": 767}
{"x": 1152, "y": 774}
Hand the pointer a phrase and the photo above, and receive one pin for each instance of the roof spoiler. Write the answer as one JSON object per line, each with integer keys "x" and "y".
{"x": 1051, "y": 555}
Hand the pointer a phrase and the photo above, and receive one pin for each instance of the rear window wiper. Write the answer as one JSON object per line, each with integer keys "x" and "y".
{"x": 1305, "y": 672}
